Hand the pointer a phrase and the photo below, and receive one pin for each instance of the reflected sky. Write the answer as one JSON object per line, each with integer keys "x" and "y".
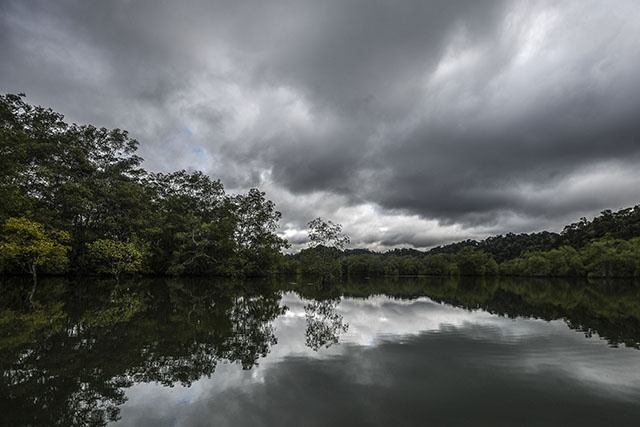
{"x": 409, "y": 362}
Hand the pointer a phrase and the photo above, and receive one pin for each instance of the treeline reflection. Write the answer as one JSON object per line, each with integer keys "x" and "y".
{"x": 69, "y": 350}
{"x": 608, "y": 308}
{"x": 67, "y": 356}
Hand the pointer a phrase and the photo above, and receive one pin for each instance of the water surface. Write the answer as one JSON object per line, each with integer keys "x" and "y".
{"x": 388, "y": 352}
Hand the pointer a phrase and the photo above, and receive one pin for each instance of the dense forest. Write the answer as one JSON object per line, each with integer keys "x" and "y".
{"x": 607, "y": 246}
{"x": 75, "y": 200}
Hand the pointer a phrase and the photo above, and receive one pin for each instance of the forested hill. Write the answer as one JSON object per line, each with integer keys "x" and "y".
{"x": 74, "y": 198}
{"x": 623, "y": 224}
{"x": 506, "y": 247}
{"x": 607, "y": 246}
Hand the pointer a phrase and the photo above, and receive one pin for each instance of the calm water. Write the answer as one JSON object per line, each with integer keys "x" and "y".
{"x": 364, "y": 353}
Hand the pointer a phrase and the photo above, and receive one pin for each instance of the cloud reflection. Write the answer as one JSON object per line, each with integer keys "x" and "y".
{"x": 405, "y": 362}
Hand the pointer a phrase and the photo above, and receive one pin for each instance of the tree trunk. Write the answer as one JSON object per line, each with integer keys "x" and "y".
{"x": 34, "y": 275}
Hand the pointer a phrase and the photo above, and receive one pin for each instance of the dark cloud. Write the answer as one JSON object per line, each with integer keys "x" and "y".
{"x": 487, "y": 116}
{"x": 353, "y": 57}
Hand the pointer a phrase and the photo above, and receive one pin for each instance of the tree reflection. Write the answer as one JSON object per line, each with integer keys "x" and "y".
{"x": 67, "y": 358}
{"x": 608, "y": 308}
{"x": 324, "y": 324}
{"x": 68, "y": 353}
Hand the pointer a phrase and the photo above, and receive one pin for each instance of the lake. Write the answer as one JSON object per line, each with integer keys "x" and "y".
{"x": 378, "y": 352}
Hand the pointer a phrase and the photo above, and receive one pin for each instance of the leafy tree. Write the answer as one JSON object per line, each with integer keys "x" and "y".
{"x": 474, "y": 262}
{"x": 199, "y": 250}
{"x": 612, "y": 258}
{"x": 437, "y": 265}
{"x": 115, "y": 257}
{"x": 326, "y": 233}
{"x": 31, "y": 149}
{"x": 392, "y": 265}
{"x": 510, "y": 246}
{"x": 28, "y": 244}
{"x": 88, "y": 182}
{"x": 256, "y": 222}
{"x": 192, "y": 225}
{"x": 365, "y": 264}
{"x": 623, "y": 224}
{"x": 80, "y": 179}
{"x": 326, "y": 241}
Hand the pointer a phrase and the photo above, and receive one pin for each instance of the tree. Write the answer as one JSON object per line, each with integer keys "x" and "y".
{"x": 326, "y": 233}
{"x": 437, "y": 264}
{"x": 257, "y": 244}
{"x": 192, "y": 227}
{"x": 76, "y": 178}
{"x": 326, "y": 241}
{"x": 609, "y": 257}
{"x": 115, "y": 257}
{"x": 29, "y": 245}
{"x": 474, "y": 262}
{"x": 30, "y": 151}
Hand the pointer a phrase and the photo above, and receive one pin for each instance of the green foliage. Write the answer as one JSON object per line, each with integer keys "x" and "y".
{"x": 603, "y": 258}
{"x": 87, "y": 181}
{"x": 29, "y": 245}
{"x": 362, "y": 265}
{"x": 510, "y": 246}
{"x": 623, "y": 224}
{"x": 192, "y": 229}
{"x": 322, "y": 262}
{"x": 326, "y": 233}
{"x": 474, "y": 262}
{"x": 606, "y": 247}
{"x": 322, "y": 258}
{"x": 562, "y": 262}
{"x": 612, "y": 258}
{"x": 438, "y": 265}
{"x": 256, "y": 221}
{"x": 115, "y": 257}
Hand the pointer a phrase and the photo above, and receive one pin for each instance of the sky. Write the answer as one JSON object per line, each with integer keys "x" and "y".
{"x": 413, "y": 123}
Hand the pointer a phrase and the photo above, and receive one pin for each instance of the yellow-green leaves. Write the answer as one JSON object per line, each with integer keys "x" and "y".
{"x": 32, "y": 246}
{"x": 116, "y": 257}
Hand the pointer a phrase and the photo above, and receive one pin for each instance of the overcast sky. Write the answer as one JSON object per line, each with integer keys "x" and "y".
{"x": 412, "y": 123}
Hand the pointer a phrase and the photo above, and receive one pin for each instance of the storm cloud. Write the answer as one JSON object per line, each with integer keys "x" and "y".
{"x": 412, "y": 123}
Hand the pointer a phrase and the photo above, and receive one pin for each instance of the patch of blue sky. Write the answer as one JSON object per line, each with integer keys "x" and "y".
{"x": 186, "y": 131}
{"x": 200, "y": 158}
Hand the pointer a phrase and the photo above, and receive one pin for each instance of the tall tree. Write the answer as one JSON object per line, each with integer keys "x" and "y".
{"x": 322, "y": 258}
{"x": 257, "y": 244}
{"x": 193, "y": 224}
